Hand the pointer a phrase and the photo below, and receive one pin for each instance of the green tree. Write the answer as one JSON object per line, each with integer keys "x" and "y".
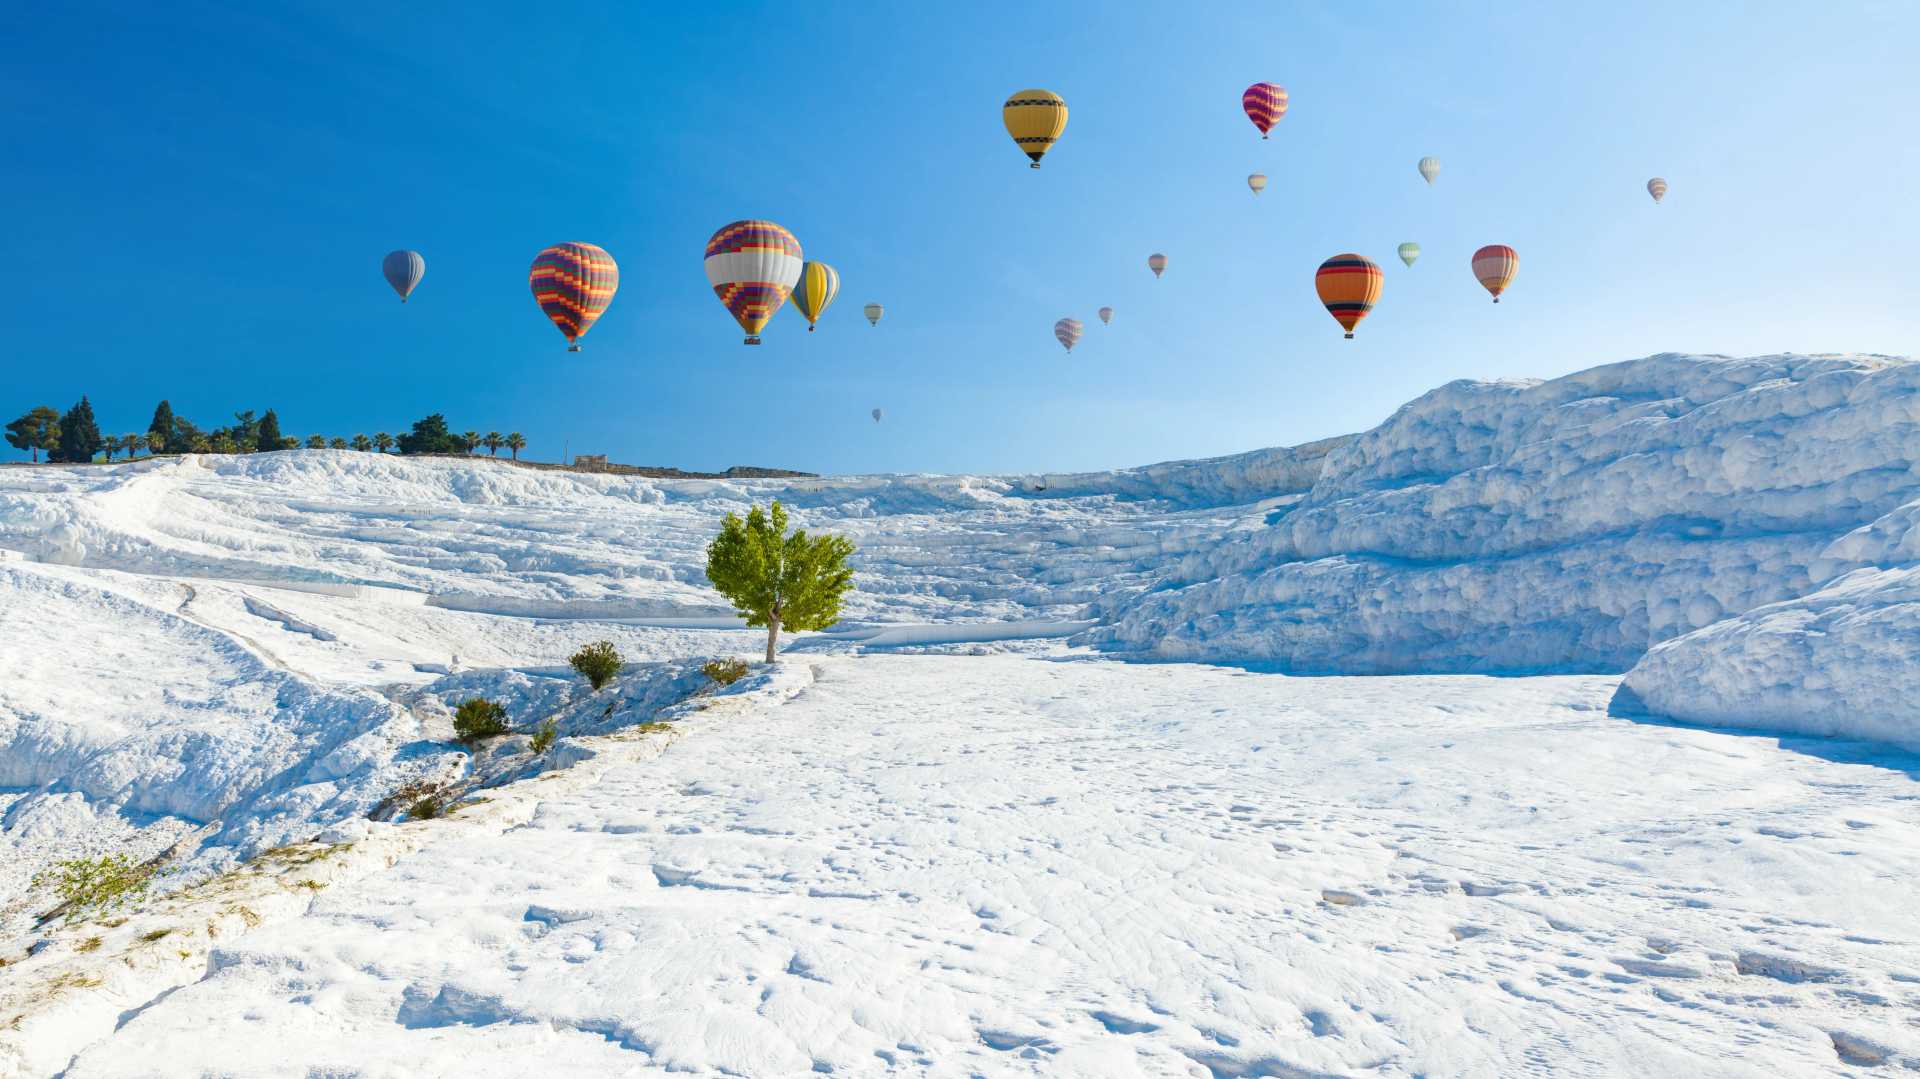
{"x": 597, "y": 663}
{"x": 245, "y": 432}
{"x": 156, "y": 442}
{"x": 516, "y": 444}
{"x": 478, "y": 718}
{"x": 223, "y": 442}
{"x": 132, "y": 443}
{"x": 316, "y": 442}
{"x": 383, "y": 441}
{"x": 430, "y": 435}
{"x": 472, "y": 440}
{"x": 163, "y": 425}
{"x": 776, "y": 578}
{"x": 38, "y": 430}
{"x": 186, "y": 435}
{"x": 79, "y": 435}
{"x": 267, "y": 435}
{"x": 109, "y": 446}
{"x": 493, "y": 442}
{"x": 202, "y": 443}
{"x": 362, "y": 443}
{"x": 337, "y": 444}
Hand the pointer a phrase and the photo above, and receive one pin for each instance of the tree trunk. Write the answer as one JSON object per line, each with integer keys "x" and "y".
{"x": 773, "y": 636}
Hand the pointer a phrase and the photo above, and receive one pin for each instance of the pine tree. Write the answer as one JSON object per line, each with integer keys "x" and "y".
{"x": 430, "y": 435}
{"x": 516, "y": 443}
{"x": 163, "y": 426}
{"x": 79, "y": 435}
{"x": 778, "y": 579}
{"x": 267, "y": 437}
{"x": 38, "y": 430}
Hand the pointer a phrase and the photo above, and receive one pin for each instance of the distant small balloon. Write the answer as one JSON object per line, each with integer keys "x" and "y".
{"x": 873, "y": 312}
{"x": 1494, "y": 265}
{"x": 1067, "y": 331}
{"x": 1409, "y": 252}
{"x": 1429, "y": 168}
{"x": 1106, "y": 315}
{"x": 1157, "y": 263}
{"x": 877, "y": 414}
{"x": 1657, "y": 188}
{"x": 1265, "y": 103}
{"x": 1258, "y": 181}
{"x": 404, "y": 269}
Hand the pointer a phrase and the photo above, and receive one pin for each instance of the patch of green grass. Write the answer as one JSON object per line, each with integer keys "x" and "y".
{"x": 725, "y": 671}
{"x": 149, "y": 938}
{"x": 544, "y": 734}
{"x": 88, "y": 945}
{"x": 94, "y": 886}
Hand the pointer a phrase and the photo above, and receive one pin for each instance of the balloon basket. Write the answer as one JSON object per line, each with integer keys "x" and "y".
{"x": 811, "y": 327}
{"x": 753, "y": 340}
{"x": 1033, "y": 164}
{"x": 1349, "y": 337}
{"x": 573, "y": 348}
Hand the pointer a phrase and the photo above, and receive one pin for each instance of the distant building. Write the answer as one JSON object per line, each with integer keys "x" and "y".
{"x": 593, "y": 462}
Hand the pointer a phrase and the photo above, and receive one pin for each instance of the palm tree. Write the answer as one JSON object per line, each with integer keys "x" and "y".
{"x": 155, "y": 442}
{"x": 338, "y": 444}
{"x": 362, "y": 443}
{"x": 493, "y": 442}
{"x": 384, "y": 441}
{"x": 472, "y": 439}
{"x": 316, "y": 442}
{"x": 202, "y": 444}
{"x": 132, "y": 444}
{"x": 110, "y": 446}
{"x": 516, "y": 443}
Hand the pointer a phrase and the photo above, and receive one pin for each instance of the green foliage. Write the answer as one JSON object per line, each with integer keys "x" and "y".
{"x": 163, "y": 426}
{"x": 725, "y": 671}
{"x": 267, "y": 435}
{"x": 156, "y": 442}
{"x": 776, "y": 578}
{"x": 430, "y": 435}
{"x": 362, "y": 443}
{"x": 470, "y": 439}
{"x": 478, "y": 718}
{"x": 337, "y": 443}
{"x": 515, "y": 442}
{"x": 492, "y": 441}
{"x": 79, "y": 435}
{"x": 383, "y": 441}
{"x": 426, "y": 808}
{"x": 597, "y": 663}
{"x": 38, "y": 429}
{"x": 93, "y": 886}
{"x": 133, "y": 444}
{"x": 544, "y": 734}
{"x": 316, "y": 442}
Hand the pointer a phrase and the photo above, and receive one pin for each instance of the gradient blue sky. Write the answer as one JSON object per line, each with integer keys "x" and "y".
{"x": 201, "y": 194}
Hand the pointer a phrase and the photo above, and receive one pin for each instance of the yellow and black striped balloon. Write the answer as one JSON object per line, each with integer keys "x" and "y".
{"x": 1035, "y": 119}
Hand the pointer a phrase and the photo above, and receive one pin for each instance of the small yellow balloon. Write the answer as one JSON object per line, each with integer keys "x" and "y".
{"x": 1035, "y": 119}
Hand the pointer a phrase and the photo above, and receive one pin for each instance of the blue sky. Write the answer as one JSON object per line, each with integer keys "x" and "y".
{"x": 201, "y": 195}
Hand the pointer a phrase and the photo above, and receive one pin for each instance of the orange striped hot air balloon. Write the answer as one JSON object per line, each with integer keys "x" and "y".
{"x": 1495, "y": 265}
{"x": 574, "y": 283}
{"x": 1349, "y": 286}
{"x": 1265, "y": 104}
{"x": 1067, "y": 331}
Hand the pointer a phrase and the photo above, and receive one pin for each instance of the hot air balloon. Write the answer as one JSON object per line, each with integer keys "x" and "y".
{"x": 1495, "y": 265}
{"x": 1655, "y": 187}
{"x": 574, "y": 283}
{"x": 819, "y": 284}
{"x": 1067, "y": 331}
{"x": 1349, "y": 286}
{"x": 1409, "y": 252}
{"x": 1258, "y": 181}
{"x": 753, "y": 266}
{"x": 1429, "y": 168}
{"x": 1035, "y": 119}
{"x": 1106, "y": 316}
{"x": 404, "y": 269}
{"x": 1157, "y": 263}
{"x": 1265, "y": 104}
{"x": 874, "y": 311}
{"x": 877, "y": 414}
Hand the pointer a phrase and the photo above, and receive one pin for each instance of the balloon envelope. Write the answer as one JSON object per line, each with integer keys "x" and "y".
{"x": 1349, "y": 285}
{"x": 753, "y": 266}
{"x": 1035, "y": 119}
{"x": 1067, "y": 331}
{"x": 1494, "y": 265}
{"x": 1106, "y": 315}
{"x": 873, "y": 312}
{"x": 1157, "y": 263}
{"x": 819, "y": 283}
{"x": 404, "y": 269}
{"x": 1258, "y": 181}
{"x": 574, "y": 283}
{"x": 1429, "y": 168}
{"x": 1655, "y": 187}
{"x": 1265, "y": 103}
{"x": 1409, "y": 252}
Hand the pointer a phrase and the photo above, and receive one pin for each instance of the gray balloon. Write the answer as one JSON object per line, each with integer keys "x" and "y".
{"x": 404, "y": 269}
{"x": 877, "y": 414}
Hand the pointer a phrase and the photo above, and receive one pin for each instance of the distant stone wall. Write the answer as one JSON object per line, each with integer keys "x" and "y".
{"x": 591, "y": 463}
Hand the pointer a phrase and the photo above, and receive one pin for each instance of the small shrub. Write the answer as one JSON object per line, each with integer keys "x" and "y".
{"x": 725, "y": 671}
{"x": 149, "y": 938}
{"x": 88, "y": 886}
{"x": 598, "y": 663}
{"x": 478, "y": 718}
{"x": 425, "y": 809}
{"x": 543, "y": 736}
{"x": 88, "y": 945}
